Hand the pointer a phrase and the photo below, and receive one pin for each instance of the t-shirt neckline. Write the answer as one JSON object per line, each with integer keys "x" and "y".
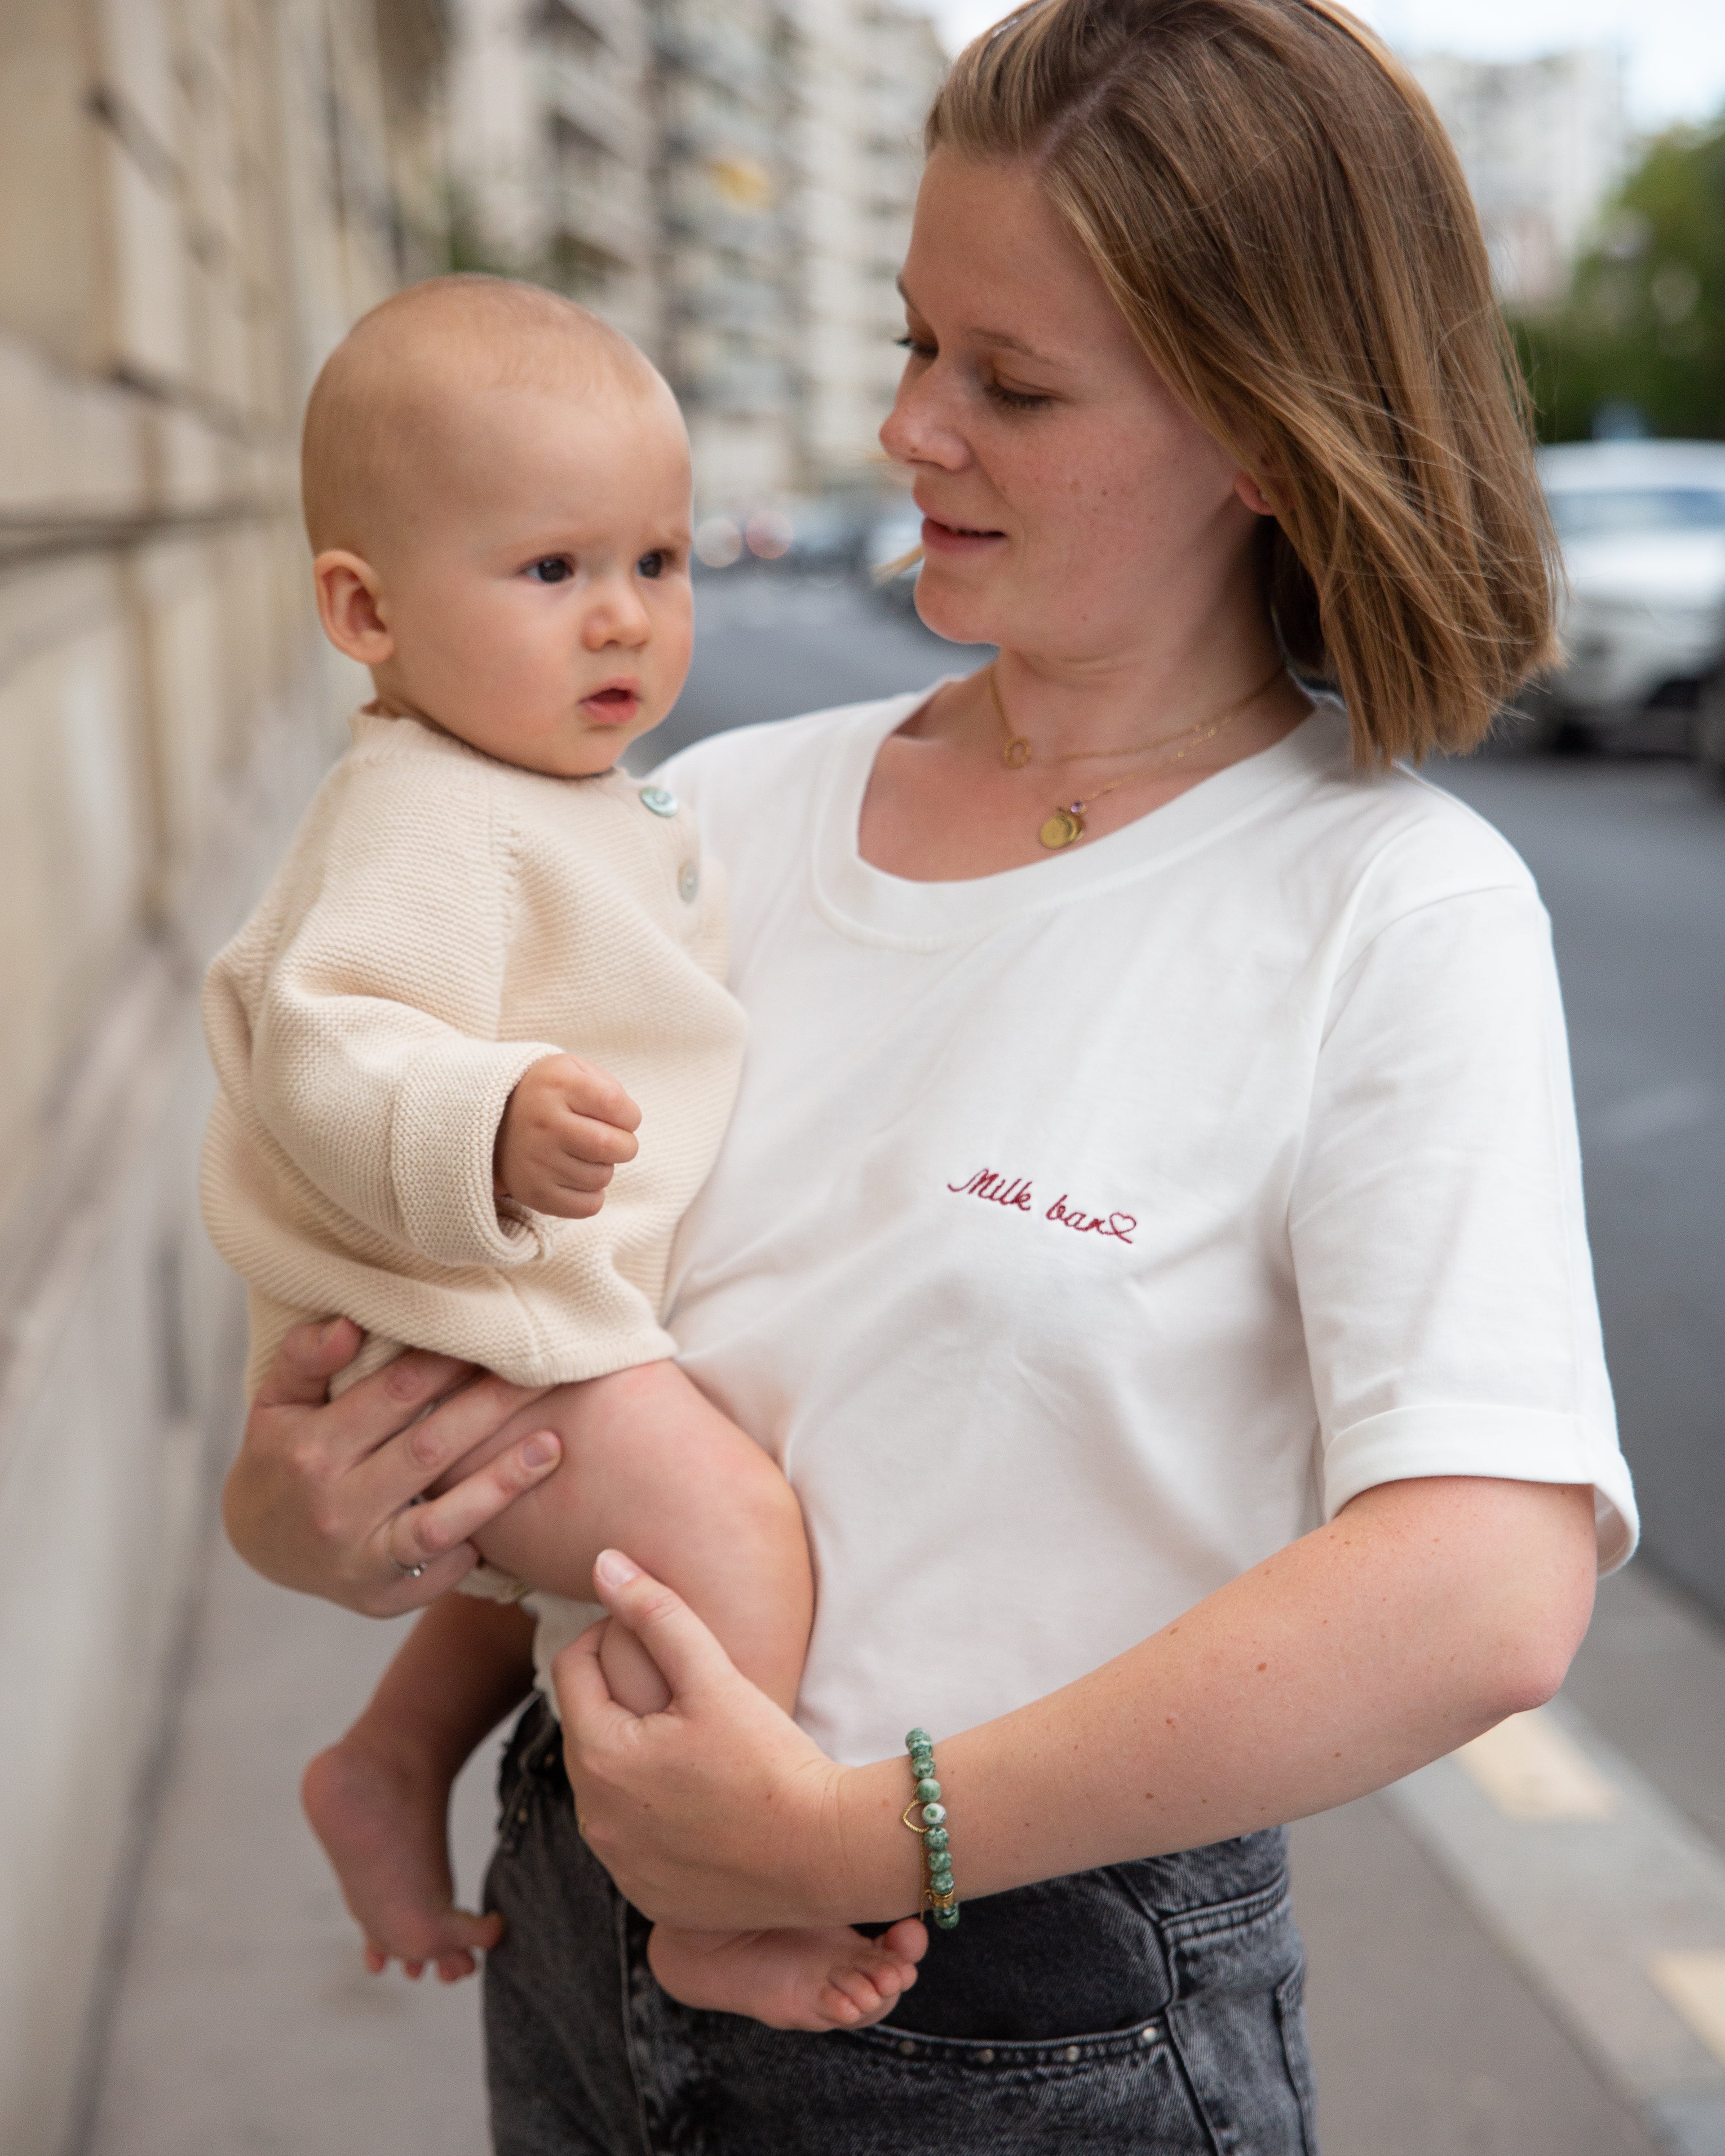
{"x": 873, "y": 905}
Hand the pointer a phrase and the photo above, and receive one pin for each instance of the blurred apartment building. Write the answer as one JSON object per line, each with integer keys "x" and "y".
{"x": 199, "y": 195}
{"x": 728, "y": 181}
{"x": 1543, "y": 142}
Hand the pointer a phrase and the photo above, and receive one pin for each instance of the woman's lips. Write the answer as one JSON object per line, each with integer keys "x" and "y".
{"x": 938, "y": 538}
{"x": 613, "y": 706}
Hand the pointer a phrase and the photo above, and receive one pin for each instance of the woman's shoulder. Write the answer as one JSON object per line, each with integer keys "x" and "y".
{"x": 1401, "y": 833}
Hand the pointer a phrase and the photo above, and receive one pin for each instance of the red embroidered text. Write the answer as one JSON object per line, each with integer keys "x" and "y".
{"x": 1118, "y": 1226}
{"x": 1014, "y": 1195}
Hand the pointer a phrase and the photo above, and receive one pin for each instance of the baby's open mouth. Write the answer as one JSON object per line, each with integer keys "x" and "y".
{"x": 615, "y": 702}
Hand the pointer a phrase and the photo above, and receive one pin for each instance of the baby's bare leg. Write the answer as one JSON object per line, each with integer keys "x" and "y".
{"x": 378, "y": 1800}
{"x": 651, "y": 1467}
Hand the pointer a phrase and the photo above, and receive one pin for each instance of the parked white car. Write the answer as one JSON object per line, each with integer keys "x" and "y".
{"x": 1642, "y": 529}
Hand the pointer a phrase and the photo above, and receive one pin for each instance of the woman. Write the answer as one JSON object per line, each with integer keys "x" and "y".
{"x": 1156, "y": 1141}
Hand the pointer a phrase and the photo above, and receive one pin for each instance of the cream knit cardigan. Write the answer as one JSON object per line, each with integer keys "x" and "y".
{"x": 442, "y": 920}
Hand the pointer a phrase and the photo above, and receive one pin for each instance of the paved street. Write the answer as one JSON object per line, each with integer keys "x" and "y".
{"x": 1443, "y": 2019}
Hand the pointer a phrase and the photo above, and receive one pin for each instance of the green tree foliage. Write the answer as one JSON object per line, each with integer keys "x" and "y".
{"x": 1644, "y": 324}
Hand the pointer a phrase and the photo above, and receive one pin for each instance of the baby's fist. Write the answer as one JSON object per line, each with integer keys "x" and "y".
{"x": 567, "y": 1126}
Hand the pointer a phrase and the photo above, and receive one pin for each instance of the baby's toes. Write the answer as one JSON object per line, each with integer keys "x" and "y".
{"x": 907, "y": 1940}
{"x": 870, "y": 1991}
{"x": 836, "y": 2009}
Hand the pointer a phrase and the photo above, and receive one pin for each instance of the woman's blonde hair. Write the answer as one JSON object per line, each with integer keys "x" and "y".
{"x": 1282, "y": 221}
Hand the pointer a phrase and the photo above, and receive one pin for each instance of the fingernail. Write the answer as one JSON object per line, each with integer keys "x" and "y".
{"x": 541, "y": 1448}
{"x": 326, "y": 1332}
{"x": 612, "y": 1568}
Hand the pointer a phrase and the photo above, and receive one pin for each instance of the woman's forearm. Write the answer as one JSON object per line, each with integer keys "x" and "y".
{"x": 1424, "y": 1613}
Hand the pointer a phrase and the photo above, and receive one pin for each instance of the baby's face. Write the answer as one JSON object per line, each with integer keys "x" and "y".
{"x": 538, "y": 595}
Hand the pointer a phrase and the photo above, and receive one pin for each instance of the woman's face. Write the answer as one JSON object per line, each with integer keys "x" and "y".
{"x": 1070, "y": 502}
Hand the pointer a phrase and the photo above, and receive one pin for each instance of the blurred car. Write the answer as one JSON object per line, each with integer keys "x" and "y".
{"x": 895, "y": 537}
{"x": 1642, "y": 529}
{"x": 815, "y": 536}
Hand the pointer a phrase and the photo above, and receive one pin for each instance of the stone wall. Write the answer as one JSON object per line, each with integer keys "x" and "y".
{"x": 201, "y": 194}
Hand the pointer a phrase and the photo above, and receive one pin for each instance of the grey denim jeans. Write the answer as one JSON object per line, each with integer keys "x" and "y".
{"x": 1146, "y": 2007}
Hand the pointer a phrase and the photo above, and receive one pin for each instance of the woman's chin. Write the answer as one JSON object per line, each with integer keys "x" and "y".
{"x": 961, "y": 617}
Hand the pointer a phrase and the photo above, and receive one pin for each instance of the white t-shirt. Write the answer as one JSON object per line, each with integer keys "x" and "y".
{"x": 1085, "y": 1233}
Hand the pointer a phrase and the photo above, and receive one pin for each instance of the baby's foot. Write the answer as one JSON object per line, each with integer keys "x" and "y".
{"x": 816, "y": 1979}
{"x": 382, "y": 1818}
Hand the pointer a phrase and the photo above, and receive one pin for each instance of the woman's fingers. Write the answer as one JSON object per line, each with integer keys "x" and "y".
{"x": 584, "y": 1700}
{"x": 427, "y": 1448}
{"x": 422, "y": 1534}
{"x": 306, "y": 1360}
{"x": 688, "y": 1657}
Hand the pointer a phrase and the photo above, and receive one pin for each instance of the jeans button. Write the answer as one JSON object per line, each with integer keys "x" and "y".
{"x": 1073, "y": 2055}
{"x": 906, "y": 2049}
{"x": 986, "y": 2056}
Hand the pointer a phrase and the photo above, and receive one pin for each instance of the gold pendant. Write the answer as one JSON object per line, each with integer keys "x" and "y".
{"x": 1065, "y": 827}
{"x": 1016, "y": 754}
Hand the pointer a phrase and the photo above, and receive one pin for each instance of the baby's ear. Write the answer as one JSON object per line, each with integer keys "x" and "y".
{"x": 348, "y": 594}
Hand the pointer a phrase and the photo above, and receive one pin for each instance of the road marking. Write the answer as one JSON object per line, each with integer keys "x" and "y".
{"x": 1531, "y": 1770}
{"x": 1615, "y": 1914}
{"x": 1695, "y": 1984}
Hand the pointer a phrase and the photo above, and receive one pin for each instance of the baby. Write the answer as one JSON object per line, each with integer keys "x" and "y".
{"x": 490, "y": 957}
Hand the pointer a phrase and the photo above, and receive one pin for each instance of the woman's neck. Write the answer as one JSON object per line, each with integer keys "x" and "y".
{"x": 968, "y": 786}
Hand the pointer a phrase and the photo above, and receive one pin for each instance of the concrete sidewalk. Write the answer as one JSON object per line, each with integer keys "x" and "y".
{"x": 246, "y": 2026}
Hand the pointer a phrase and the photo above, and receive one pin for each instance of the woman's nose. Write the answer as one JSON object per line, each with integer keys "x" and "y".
{"x": 919, "y": 429}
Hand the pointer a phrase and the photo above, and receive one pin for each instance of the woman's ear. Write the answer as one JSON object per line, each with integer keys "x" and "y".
{"x": 1253, "y": 495}
{"x": 349, "y": 596}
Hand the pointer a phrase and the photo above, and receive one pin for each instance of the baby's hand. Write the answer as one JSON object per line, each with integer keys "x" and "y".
{"x": 566, "y": 1129}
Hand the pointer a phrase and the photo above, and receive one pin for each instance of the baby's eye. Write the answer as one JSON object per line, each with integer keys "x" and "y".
{"x": 554, "y": 569}
{"x": 650, "y": 565}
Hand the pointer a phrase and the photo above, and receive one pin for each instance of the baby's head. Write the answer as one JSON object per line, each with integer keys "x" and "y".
{"x": 496, "y": 489}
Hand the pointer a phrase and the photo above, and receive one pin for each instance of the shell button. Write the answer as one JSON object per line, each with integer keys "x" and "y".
{"x": 658, "y": 800}
{"x": 689, "y": 882}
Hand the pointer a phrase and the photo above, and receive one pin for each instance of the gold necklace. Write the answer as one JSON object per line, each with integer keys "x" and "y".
{"x": 1065, "y": 826}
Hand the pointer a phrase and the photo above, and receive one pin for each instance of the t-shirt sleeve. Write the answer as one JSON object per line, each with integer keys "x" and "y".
{"x": 1438, "y": 1234}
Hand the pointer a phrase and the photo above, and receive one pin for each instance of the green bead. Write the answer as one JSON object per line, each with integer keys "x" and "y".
{"x": 929, "y": 1790}
{"x": 940, "y": 1882}
{"x": 919, "y": 1740}
{"x": 947, "y": 1919}
{"x": 922, "y": 1763}
{"x": 936, "y": 1840}
{"x": 934, "y": 1815}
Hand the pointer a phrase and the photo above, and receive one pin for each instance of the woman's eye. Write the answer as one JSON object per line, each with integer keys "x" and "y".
{"x": 650, "y": 565}
{"x": 1019, "y": 400}
{"x": 915, "y": 345}
{"x": 554, "y": 569}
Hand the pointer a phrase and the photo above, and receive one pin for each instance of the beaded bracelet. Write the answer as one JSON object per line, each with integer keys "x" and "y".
{"x": 939, "y": 1895}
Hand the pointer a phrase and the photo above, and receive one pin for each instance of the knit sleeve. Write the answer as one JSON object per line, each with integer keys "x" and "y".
{"x": 374, "y": 1061}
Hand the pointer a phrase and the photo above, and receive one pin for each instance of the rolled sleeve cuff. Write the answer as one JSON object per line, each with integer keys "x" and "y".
{"x": 1512, "y": 1444}
{"x": 442, "y": 1142}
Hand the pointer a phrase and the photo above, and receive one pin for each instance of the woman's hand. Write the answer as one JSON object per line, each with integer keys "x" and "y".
{"x": 719, "y": 1813}
{"x": 322, "y": 1497}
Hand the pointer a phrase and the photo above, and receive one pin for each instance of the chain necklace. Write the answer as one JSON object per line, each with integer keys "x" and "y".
{"x": 1065, "y": 826}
